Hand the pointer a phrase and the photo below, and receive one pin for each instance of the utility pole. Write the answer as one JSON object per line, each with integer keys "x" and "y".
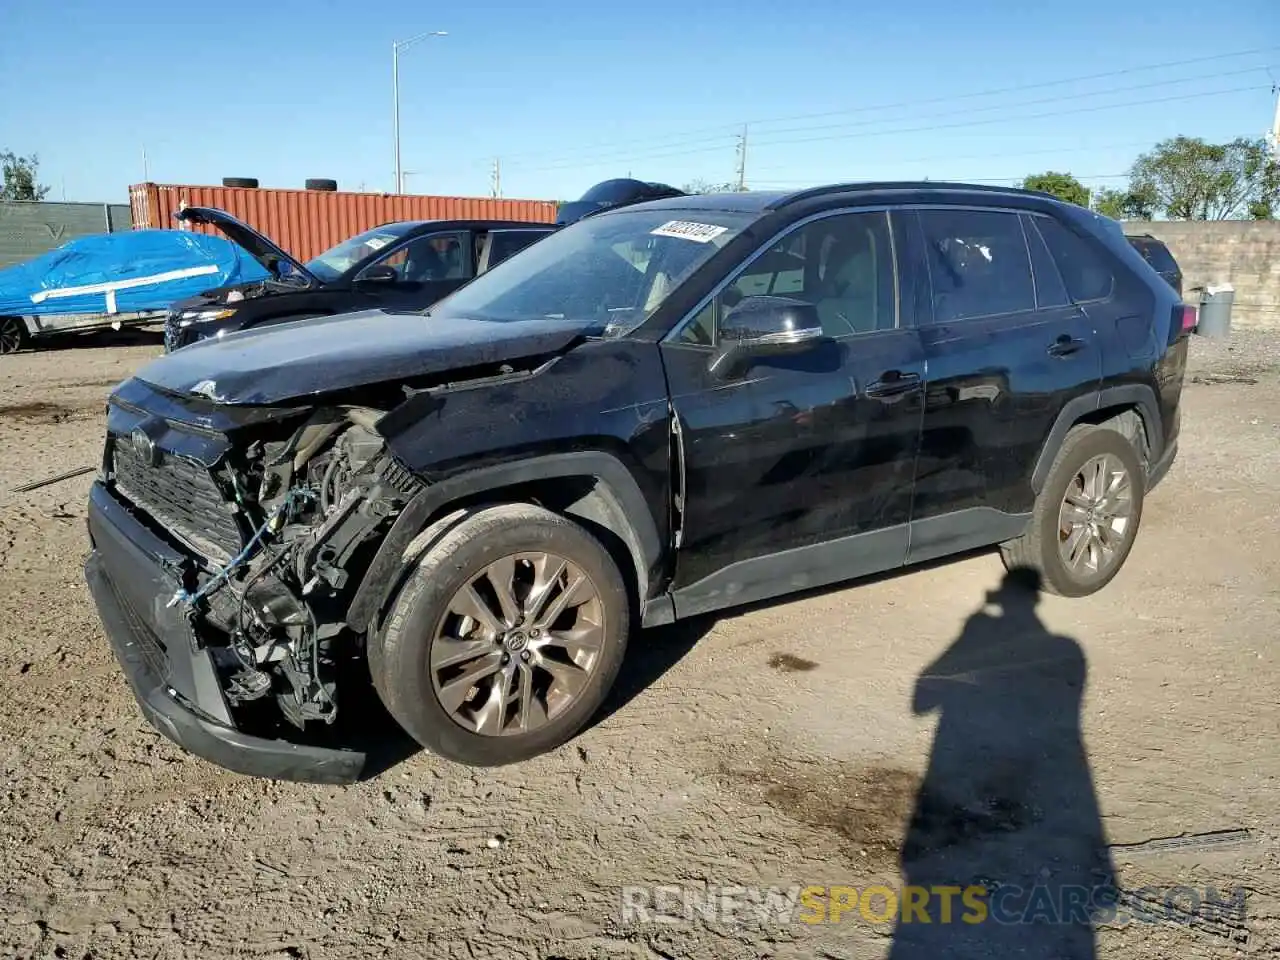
{"x": 495, "y": 179}
{"x": 1275, "y": 127}
{"x": 146, "y": 168}
{"x": 396, "y": 47}
{"x": 742, "y": 160}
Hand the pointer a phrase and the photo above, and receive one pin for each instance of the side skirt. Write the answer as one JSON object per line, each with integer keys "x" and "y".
{"x": 847, "y": 558}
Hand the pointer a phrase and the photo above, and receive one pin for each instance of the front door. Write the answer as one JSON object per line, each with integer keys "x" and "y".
{"x": 799, "y": 471}
{"x": 424, "y": 270}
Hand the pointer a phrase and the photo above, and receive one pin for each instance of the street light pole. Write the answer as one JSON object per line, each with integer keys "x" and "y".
{"x": 396, "y": 47}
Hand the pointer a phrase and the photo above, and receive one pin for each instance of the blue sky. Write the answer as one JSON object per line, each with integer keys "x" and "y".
{"x": 570, "y": 93}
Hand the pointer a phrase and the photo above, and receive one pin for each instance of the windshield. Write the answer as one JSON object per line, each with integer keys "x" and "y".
{"x": 616, "y": 268}
{"x": 333, "y": 263}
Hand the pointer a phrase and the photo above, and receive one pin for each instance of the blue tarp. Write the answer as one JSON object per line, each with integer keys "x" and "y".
{"x": 124, "y": 272}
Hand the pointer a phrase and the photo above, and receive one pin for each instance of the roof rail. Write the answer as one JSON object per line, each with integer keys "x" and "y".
{"x": 866, "y": 186}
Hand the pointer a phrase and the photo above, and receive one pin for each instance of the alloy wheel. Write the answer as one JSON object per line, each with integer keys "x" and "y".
{"x": 1095, "y": 516}
{"x": 10, "y": 335}
{"x": 517, "y": 644}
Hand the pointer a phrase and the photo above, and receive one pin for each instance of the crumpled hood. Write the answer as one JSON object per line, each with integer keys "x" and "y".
{"x": 295, "y": 360}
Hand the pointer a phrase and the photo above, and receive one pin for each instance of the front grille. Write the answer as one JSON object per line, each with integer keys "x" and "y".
{"x": 182, "y": 497}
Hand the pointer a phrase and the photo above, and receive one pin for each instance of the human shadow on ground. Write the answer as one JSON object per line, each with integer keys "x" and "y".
{"x": 1007, "y": 804}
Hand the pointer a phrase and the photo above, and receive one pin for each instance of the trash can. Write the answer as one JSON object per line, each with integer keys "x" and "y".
{"x": 1214, "y": 318}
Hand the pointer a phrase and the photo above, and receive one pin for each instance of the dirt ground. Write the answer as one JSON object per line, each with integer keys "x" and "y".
{"x": 785, "y": 745}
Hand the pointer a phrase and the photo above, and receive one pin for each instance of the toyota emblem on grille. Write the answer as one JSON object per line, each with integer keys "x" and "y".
{"x": 145, "y": 447}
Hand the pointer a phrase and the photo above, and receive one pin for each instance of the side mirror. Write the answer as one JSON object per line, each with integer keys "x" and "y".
{"x": 379, "y": 273}
{"x": 765, "y": 326}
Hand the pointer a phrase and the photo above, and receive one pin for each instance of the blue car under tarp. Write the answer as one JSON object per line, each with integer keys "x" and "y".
{"x": 122, "y": 273}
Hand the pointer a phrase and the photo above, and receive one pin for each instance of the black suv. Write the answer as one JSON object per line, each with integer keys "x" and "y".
{"x": 1156, "y": 253}
{"x": 410, "y": 263}
{"x": 660, "y": 411}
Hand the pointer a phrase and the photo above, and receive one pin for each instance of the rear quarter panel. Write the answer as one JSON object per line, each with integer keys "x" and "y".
{"x": 1141, "y": 335}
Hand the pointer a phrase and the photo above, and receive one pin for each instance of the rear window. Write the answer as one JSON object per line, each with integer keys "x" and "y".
{"x": 506, "y": 243}
{"x": 978, "y": 264}
{"x": 1087, "y": 275}
{"x": 1155, "y": 253}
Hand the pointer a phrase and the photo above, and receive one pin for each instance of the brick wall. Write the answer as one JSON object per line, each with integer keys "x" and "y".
{"x": 1244, "y": 253}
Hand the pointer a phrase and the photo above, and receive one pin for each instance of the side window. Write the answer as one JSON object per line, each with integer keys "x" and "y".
{"x": 978, "y": 263}
{"x": 843, "y": 265}
{"x": 436, "y": 257}
{"x": 507, "y": 243}
{"x": 1050, "y": 290}
{"x": 1085, "y": 272}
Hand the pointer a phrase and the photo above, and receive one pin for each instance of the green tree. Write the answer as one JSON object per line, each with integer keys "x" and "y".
{"x": 1061, "y": 185}
{"x": 1191, "y": 179}
{"x": 20, "y": 182}
{"x": 1110, "y": 203}
{"x": 1125, "y": 204}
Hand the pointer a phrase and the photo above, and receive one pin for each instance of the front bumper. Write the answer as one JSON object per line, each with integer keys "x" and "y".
{"x": 132, "y": 574}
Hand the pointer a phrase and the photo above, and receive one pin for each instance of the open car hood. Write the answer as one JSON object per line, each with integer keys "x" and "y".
{"x": 305, "y": 358}
{"x": 262, "y": 249}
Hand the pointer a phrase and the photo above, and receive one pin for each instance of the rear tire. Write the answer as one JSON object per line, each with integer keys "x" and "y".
{"x": 1078, "y": 540}
{"x": 487, "y": 676}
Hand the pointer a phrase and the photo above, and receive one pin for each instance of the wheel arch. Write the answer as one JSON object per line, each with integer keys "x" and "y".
{"x": 593, "y": 487}
{"x": 1109, "y": 404}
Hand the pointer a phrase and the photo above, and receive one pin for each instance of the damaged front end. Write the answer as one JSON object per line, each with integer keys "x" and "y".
{"x": 227, "y": 547}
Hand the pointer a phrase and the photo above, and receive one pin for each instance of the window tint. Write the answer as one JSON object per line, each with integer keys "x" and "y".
{"x": 843, "y": 265}
{"x": 437, "y": 257}
{"x": 1086, "y": 273}
{"x": 977, "y": 263}
{"x": 505, "y": 243}
{"x": 1156, "y": 254}
{"x": 1050, "y": 291}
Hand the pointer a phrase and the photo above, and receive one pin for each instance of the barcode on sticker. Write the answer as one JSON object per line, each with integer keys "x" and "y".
{"x": 689, "y": 230}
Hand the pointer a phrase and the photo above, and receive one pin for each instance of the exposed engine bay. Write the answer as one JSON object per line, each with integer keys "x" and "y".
{"x": 317, "y": 503}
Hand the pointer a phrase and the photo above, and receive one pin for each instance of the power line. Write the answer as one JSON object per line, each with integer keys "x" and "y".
{"x": 581, "y": 162}
{"x": 1025, "y": 86}
{"x": 1032, "y": 103}
{"x": 1033, "y": 116}
{"x": 1004, "y": 155}
{"x": 726, "y": 130}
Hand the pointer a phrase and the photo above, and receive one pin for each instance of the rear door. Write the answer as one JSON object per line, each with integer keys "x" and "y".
{"x": 788, "y": 464}
{"x": 1005, "y": 348}
{"x": 498, "y": 245}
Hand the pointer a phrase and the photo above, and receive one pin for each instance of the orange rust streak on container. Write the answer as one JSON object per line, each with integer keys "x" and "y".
{"x": 308, "y": 222}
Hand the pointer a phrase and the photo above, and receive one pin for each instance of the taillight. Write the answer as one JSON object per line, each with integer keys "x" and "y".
{"x": 1189, "y": 317}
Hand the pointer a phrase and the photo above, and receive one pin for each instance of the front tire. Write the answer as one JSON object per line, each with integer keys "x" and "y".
{"x": 1086, "y": 517}
{"x": 13, "y": 335}
{"x": 505, "y": 639}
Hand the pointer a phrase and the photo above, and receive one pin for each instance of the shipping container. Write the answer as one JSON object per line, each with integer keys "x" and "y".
{"x": 308, "y": 222}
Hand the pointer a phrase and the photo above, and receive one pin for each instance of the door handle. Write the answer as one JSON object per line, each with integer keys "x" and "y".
{"x": 893, "y": 383}
{"x": 1065, "y": 346}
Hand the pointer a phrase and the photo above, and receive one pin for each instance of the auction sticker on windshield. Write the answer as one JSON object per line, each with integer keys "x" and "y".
{"x": 689, "y": 230}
